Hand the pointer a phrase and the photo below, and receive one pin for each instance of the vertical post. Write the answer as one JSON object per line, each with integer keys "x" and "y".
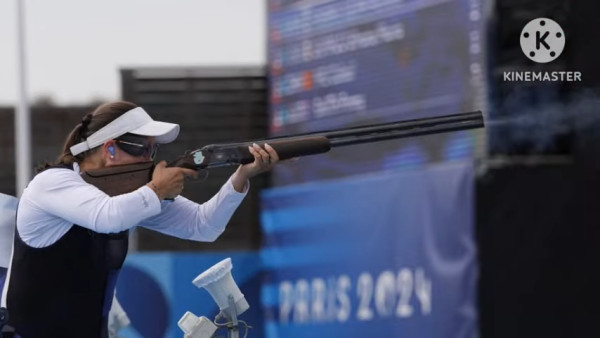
{"x": 233, "y": 328}
{"x": 22, "y": 114}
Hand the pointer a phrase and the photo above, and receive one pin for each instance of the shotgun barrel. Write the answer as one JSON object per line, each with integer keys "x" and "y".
{"x": 225, "y": 154}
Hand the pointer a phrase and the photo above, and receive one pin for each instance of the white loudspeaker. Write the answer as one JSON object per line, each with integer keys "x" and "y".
{"x": 220, "y": 285}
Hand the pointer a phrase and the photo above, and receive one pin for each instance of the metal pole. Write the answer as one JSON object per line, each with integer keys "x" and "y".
{"x": 233, "y": 329}
{"x": 22, "y": 114}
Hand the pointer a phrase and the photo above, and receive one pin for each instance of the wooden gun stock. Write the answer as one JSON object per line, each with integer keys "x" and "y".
{"x": 118, "y": 180}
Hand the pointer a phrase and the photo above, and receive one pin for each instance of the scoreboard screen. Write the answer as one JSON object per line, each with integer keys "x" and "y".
{"x": 344, "y": 63}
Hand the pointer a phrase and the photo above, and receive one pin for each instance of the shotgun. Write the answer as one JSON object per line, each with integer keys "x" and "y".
{"x": 122, "y": 179}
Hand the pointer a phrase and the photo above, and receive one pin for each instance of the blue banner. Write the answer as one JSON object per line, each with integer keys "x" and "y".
{"x": 385, "y": 255}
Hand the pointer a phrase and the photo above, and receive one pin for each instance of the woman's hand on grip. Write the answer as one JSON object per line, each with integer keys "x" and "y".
{"x": 168, "y": 182}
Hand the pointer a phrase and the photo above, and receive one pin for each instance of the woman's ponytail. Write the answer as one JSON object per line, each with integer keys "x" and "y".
{"x": 90, "y": 123}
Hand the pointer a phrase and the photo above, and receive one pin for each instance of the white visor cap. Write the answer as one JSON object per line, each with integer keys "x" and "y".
{"x": 136, "y": 121}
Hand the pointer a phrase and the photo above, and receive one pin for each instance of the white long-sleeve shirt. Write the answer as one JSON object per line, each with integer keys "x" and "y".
{"x": 57, "y": 198}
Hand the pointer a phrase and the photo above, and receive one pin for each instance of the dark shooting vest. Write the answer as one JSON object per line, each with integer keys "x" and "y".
{"x": 65, "y": 289}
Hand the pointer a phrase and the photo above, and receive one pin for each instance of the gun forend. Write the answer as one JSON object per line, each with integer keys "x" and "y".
{"x": 219, "y": 155}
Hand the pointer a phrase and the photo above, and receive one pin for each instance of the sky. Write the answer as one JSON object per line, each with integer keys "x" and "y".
{"x": 75, "y": 48}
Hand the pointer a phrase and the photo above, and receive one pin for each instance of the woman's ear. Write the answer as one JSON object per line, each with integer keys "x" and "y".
{"x": 110, "y": 149}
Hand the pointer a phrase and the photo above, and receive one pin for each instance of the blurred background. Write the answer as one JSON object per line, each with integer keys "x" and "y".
{"x": 480, "y": 233}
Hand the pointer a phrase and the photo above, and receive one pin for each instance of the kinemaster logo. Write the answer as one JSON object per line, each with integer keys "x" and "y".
{"x": 543, "y": 41}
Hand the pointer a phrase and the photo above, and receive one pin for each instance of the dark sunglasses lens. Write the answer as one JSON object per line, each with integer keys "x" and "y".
{"x": 153, "y": 151}
{"x": 137, "y": 146}
{"x": 132, "y": 149}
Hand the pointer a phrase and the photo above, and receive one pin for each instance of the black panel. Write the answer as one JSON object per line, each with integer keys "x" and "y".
{"x": 539, "y": 245}
{"x": 212, "y": 105}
